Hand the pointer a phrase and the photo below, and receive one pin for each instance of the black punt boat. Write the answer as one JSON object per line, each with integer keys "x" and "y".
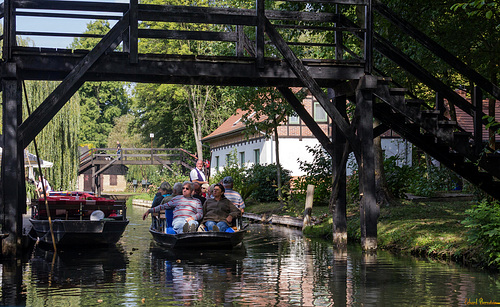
{"x": 164, "y": 236}
{"x": 79, "y": 219}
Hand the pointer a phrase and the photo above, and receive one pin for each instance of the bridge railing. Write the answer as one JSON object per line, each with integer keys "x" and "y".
{"x": 223, "y": 30}
{"x": 138, "y": 156}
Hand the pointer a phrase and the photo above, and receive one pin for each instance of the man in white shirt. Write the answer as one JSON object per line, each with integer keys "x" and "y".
{"x": 197, "y": 175}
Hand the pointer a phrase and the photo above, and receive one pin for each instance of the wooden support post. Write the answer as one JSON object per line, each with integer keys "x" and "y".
{"x": 259, "y": 35}
{"x": 477, "y": 102}
{"x": 369, "y": 210}
{"x": 491, "y": 131}
{"x": 240, "y": 41}
{"x": 9, "y": 29}
{"x": 13, "y": 185}
{"x": 339, "y": 40}
{"x": 440, "y": 103}
{"x": 309, "y": 206}
{"x": 368, "y": 47}
{"x": 133, "y": 32}
{"x": 339, "y": 199}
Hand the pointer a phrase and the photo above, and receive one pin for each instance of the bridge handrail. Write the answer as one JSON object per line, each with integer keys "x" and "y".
{"x": 186, "y": 14}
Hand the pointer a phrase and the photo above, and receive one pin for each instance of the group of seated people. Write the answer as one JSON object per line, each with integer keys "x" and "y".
{"x": 199, "y": 207}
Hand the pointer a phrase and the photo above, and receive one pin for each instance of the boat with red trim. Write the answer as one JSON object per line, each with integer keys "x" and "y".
{"x": 79, "y": 218}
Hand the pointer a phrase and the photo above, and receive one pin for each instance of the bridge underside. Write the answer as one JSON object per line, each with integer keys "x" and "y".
{"x": 205, "y": 70}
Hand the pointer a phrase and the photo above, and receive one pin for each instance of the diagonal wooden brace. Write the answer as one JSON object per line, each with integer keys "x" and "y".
{"x": 30, "y": 128}
{"x": 302, "y": 73}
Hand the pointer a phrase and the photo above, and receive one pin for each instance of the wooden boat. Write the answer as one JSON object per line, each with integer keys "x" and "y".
{"x": 163, "y": 235}
{"x": 79, "y": 219}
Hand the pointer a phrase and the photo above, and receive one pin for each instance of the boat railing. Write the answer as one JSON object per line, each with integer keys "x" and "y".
{"x": 77, "y": 210}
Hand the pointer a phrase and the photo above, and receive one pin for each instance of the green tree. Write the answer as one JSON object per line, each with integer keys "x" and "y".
{"x": 267, "y": 110}
{"x": 180, "y": 115}
{"x": 101, "y": 102}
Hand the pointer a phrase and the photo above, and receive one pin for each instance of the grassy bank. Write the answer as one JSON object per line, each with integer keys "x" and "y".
{"x": 428, "y": 228}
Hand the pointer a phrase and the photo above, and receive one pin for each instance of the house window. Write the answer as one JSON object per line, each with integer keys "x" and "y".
{"x": 319, "y": 112}
{"x": 242, "y": 158}
{"x": 227, "y": 159}
{"x": 256, "y": 156}
{"x": 293, "y": 120}
{"x": 216, "y": 164}
{"x": 113, "y": 180}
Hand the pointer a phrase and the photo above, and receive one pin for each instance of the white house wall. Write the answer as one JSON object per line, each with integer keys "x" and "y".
{"x": 292, "y": 149}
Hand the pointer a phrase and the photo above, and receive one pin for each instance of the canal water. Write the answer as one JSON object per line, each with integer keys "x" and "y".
{"x": 276, "y": 266}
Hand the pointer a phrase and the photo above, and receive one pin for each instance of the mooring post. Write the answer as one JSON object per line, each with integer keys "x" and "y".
{"x": 339, "y": 200}
{"x": 13, "y": 185}
{"x": 309, "y": 206}
{"x": 368, "y": 208}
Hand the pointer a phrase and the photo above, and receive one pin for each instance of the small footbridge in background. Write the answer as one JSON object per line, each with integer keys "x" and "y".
{"x": 98, "y": 160}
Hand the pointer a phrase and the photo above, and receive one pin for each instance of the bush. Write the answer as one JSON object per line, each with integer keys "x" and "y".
{"x": 484, "y": 229}
{"x": 319, "y": 174}
{"x": 233, "y": 169}
{"x": 265, "y": 176}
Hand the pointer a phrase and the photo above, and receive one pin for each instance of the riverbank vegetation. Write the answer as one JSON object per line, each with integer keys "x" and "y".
{"x": 460, "y": 230}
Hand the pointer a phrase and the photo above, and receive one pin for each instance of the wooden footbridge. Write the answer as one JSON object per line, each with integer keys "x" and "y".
{"x": 264, "y": 48}
{"x": 98, "y": 160}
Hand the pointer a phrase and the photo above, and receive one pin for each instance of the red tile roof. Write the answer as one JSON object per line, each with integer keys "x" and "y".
{"x": 232, "y": 125}
{"x": 466, "y": 121}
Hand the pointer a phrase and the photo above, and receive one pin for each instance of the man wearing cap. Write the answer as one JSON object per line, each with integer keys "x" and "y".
{"x": 232, "y": 195}
{"x": 197, "y": 175}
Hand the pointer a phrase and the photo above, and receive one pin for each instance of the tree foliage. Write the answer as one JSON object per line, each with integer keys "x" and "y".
{"x": 470, "y": 37}
{"x": 180, "y": 115}
{"x": 57, "y": 142}
{"x": 100, "y": 102}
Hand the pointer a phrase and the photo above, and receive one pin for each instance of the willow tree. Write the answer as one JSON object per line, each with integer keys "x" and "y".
{"x": 58, "y": 140}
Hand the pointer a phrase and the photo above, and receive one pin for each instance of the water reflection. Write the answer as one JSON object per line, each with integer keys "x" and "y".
{"x": 75, "y": 268}
{"x": 208, "y": 276}
{"x": 276, "y": 266}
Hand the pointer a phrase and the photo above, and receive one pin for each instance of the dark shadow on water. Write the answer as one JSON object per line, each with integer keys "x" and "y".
{"x": 77, "y": 267}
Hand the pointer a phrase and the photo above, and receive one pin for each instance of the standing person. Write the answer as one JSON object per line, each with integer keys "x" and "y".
{"x": 197, "y": 175}
{"x": 43, "y": 183}
{"x": 232, "y": 195}
{"x": 219, "y": 212}
{"x": 118, "y": 149}
{"x": 187, "y": 210}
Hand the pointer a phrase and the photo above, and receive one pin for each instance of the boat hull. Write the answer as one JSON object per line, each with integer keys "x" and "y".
{"x": 80, "y": 232}
{"x": 198, "y": 240}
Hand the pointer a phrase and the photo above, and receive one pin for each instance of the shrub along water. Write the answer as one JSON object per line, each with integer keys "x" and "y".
{"x": 483, "y": 223}
{"x": 258, "y": 182}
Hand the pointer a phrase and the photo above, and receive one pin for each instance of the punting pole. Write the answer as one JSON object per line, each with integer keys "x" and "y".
{"x": 41, "y": 175}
